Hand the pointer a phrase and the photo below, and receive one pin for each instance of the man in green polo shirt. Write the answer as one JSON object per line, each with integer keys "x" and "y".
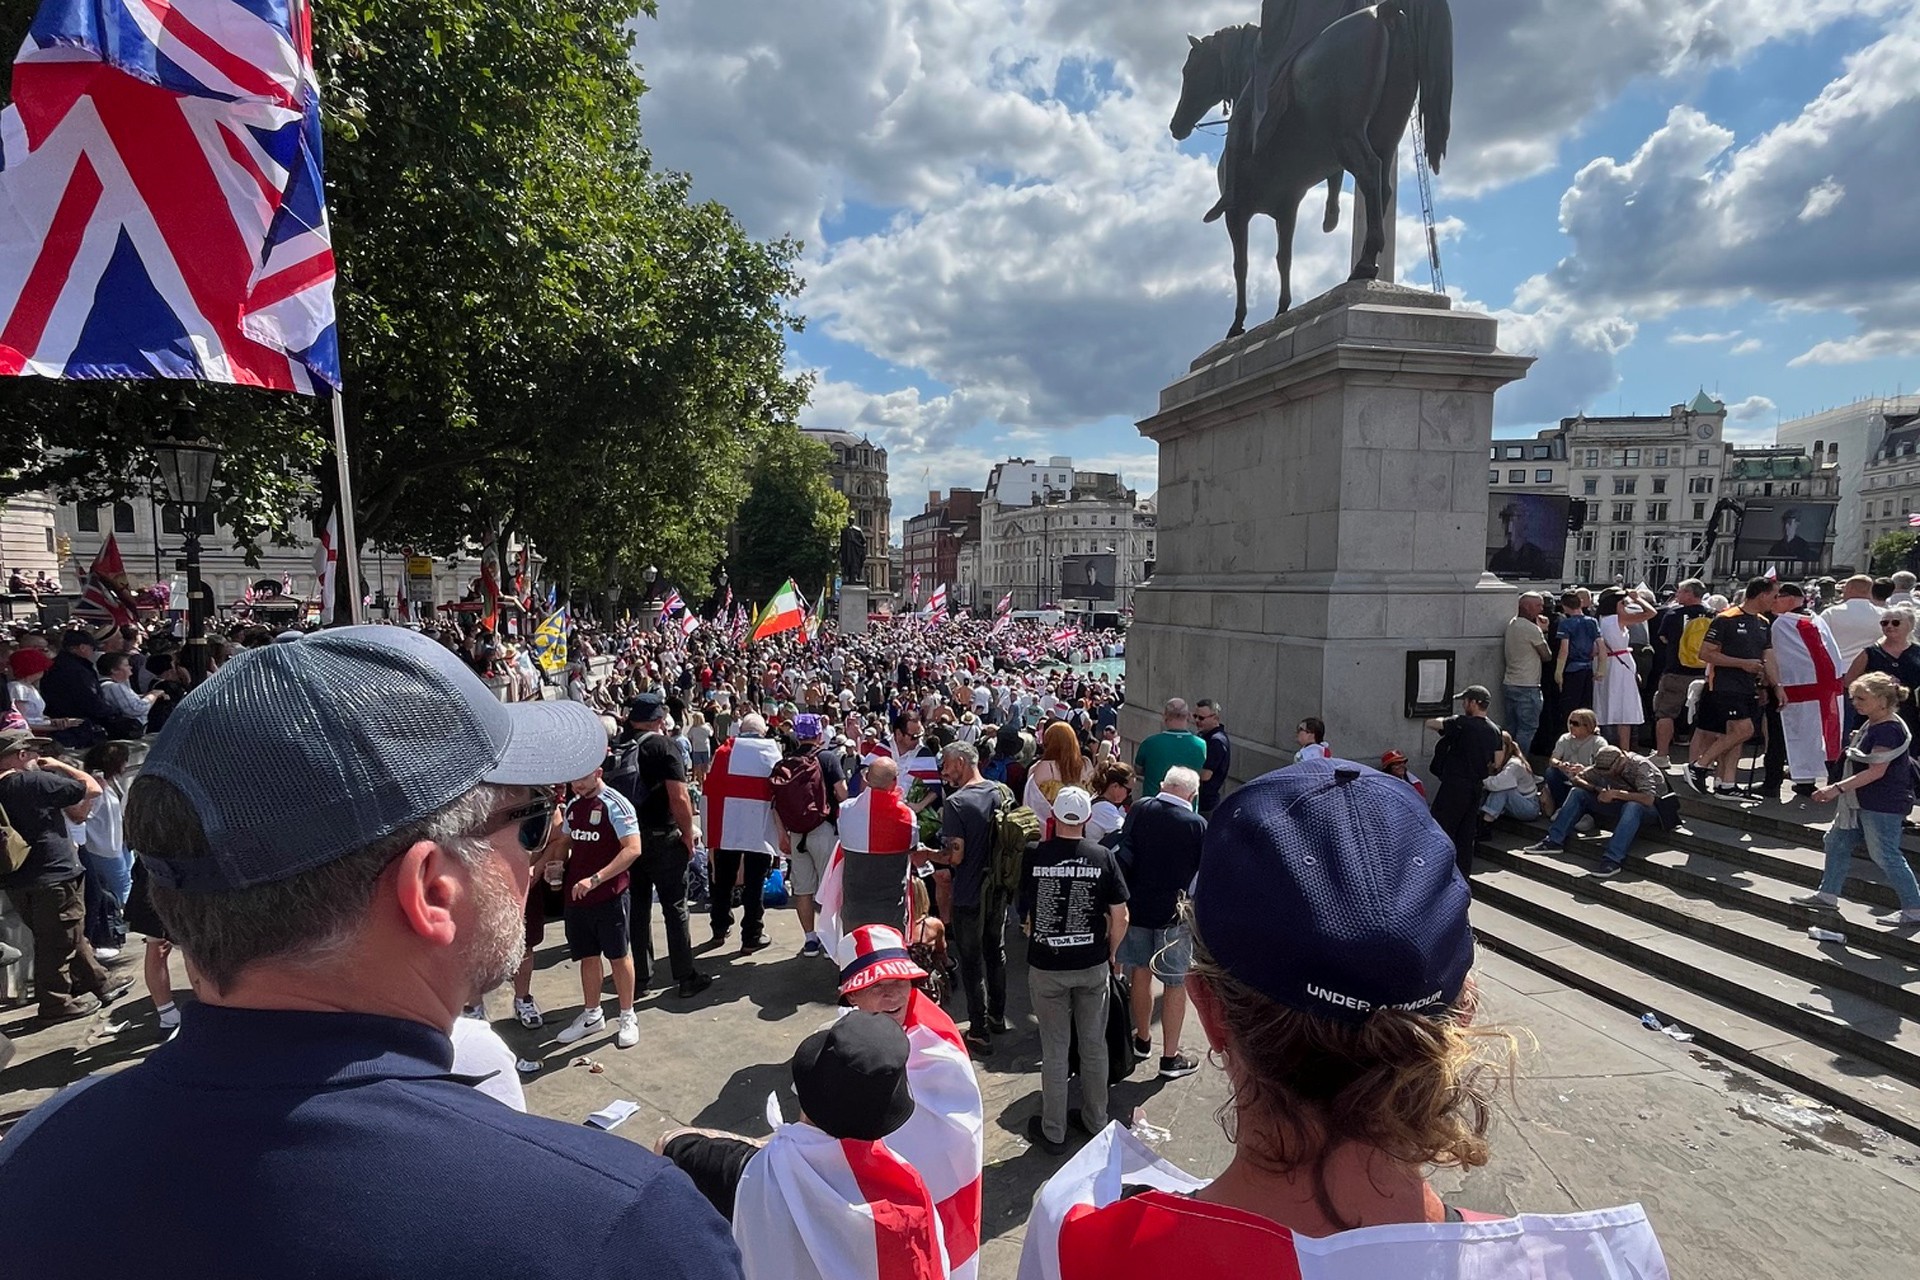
{"x": 1175, "y": 744}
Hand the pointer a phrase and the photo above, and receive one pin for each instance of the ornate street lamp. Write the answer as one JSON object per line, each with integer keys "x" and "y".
{"x": 186, "y": 471}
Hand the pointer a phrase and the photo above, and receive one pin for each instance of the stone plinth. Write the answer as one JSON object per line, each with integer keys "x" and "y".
{"x": 853, "y": 609}
{"x": 1322, "y": 513}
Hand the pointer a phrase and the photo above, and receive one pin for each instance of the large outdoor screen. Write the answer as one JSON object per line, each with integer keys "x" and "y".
{"x": 1527, "y": 536}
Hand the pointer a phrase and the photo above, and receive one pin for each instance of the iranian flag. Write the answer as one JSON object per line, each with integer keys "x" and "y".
{"x": 785, "y": 612}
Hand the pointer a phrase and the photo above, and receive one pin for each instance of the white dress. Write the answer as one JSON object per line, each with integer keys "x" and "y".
{"x": 1617, "y": 691}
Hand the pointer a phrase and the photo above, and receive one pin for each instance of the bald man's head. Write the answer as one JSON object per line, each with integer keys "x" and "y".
{"x": 883, "y": 774}
{"x": 1858, "y": 587}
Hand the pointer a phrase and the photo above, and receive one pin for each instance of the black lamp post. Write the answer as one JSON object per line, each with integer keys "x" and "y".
{"x": 186, "y": 470}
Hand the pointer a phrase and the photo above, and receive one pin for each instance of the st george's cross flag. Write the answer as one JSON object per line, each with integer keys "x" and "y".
{"x": 326, "y": 563}
{"x": 872, "y": 822}
{"x": 162, "y": 209}
{"x": 937, "y": 604}
{"x": 1164, "y": 1231}
{"x": 943, "y": 1139}
{"x": 737, "y": 796}
{"x": 811, "y": 1206}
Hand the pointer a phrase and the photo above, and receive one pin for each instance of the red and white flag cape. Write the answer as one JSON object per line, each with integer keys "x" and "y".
{"x": 738, "y": 796}
{"x": 871, "y": 822}
{"x": 943, "y": 1139}
{"x": 814, "y": 1207}
{"x": 1082, "y": 1229}
{"x": 1813, "y": 676}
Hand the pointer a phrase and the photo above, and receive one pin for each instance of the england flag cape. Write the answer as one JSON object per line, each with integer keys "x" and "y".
{"x": 1082, "y": 1229}
{"x": 943, "y": 1139}
{"x": 871, "y": 822}
{"x": 739, "y": 796}
{"x": 1814, "y": 679}
{"x": 814, "y": 1207}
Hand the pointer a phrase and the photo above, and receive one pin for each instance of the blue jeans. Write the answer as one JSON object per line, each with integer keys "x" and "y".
{"x": 1880, "y": 832}
{"x": 108, "y": 881}
{"x": 1511, "y": 803}
{"x": 1523, "y": 713}
{"x": 1624, "y": 817}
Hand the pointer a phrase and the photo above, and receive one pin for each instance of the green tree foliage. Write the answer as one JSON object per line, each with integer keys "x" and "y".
{"x": 791, "y": 522}
{"x": 1890, "y": 551}
{"x": 541, "y": 334}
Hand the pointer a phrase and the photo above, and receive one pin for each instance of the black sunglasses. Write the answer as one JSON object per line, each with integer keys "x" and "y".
{"x": 535, "y": 818}
{"x": 1893, "y": 622}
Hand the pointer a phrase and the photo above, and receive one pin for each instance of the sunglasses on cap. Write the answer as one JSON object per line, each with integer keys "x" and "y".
{"x": 535, "y": 818}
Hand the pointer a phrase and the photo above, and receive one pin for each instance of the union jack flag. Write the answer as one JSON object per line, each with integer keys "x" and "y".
{"x": 162, "y": 210}
{"x": 738, "y": 628}
{"x": 672, "y": 604}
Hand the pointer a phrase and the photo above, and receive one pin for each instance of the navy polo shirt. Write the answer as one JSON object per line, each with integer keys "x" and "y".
{"x": 278, "y": 1143}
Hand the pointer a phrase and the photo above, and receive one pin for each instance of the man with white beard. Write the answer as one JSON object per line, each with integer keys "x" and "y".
{"x": 339, "y": 834}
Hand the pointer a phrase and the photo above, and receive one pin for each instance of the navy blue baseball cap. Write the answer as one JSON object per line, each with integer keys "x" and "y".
{"x": 292, "y": 755}
{"x": 646, "y": 708}
{"x": 1327, "y": 887}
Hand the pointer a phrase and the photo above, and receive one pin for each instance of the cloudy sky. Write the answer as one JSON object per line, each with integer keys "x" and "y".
{"x": 1005, "y": 256}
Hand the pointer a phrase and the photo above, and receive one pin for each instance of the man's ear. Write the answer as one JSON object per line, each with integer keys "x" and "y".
{"x": 428, "y": 883}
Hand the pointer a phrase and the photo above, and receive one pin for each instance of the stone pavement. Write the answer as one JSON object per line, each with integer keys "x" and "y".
{"x": 1740, "y": 1178}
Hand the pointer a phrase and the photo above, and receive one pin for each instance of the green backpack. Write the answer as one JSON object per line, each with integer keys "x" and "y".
{"x": 1015, "y": 826}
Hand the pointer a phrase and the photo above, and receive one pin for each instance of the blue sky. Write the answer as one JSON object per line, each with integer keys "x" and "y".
{"x": 1005, "y": 256}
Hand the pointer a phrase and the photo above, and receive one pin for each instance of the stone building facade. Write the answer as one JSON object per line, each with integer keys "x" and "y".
{"x": 859, "y": 470}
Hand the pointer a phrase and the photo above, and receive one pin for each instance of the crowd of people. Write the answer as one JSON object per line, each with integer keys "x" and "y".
{"x": 352, "y": 839}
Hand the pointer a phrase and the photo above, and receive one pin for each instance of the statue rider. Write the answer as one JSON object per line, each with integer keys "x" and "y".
{"x": 1286, "y": 27}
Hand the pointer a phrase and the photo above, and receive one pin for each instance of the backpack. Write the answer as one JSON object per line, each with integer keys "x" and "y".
{"x": 623, "y": 772}
{"x": 1015, "y": 826}
{"x": 1691, "y": 636}
{"x": 800, "y": 792}
{"x": 13, "y": 846}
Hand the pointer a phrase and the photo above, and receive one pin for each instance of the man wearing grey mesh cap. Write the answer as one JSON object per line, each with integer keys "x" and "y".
{"x": 339, "y": 833}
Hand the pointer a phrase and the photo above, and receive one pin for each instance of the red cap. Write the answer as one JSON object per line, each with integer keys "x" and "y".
{"x": 28, "y": 663}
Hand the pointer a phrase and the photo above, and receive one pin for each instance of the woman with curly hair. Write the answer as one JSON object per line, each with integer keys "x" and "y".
{"x": 1331, "y": 974}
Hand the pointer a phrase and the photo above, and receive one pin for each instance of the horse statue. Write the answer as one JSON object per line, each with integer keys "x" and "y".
{"x": 1339, "y": 105}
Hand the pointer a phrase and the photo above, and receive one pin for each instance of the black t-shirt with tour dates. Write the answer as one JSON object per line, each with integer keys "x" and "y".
{"x": 1066, "y": 887}
{"x": 1740, "y": 635}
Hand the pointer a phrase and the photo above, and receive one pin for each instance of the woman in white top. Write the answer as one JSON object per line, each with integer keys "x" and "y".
{"x": 1574, "y": 751}
{"x": 1616, "y": 680}
{"x": 1109, "y": 807}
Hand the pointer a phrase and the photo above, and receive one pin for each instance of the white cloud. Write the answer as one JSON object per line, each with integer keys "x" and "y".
{"x": 1821, "y": 200}
{"x": 1746, "y": 347}
{"x": 1751, "y": 409}
{"x": 1701, "y": 339}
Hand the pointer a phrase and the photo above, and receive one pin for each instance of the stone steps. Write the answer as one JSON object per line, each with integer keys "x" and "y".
{"x": 1858, "y": 1087}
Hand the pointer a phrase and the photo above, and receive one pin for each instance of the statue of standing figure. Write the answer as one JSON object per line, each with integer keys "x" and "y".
{"x": 1320, "y": 89}
{"x": 853, "y": 555}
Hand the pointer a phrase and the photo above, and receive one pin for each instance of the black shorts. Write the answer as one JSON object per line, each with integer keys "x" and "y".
{"x": 141, "y": 917}
{"x": 1720, "y": 709}
{"x": 598, "y": 928}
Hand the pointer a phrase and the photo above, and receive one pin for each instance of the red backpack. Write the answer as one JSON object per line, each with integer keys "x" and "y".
{"x": 800, "y": 792}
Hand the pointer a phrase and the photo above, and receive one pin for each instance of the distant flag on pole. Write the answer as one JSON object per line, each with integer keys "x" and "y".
{"x": 326, "y": 562}
{"x": 671, "y": 603}
{"x": 937, "y": 604}
{"x": 105, "y": 600}
{"x": 162, "y": 208}
{"x": 785, "y": 612}
{"x": 818, "y": 618}
{"x": 913, "y": 592}
{"x": 1913, "y": 520}
{"x": 689, "y": 623}
{"x": 1773, "y": 573}
{"x": 1002, "y": 614}
{"x": 737, "y": 629}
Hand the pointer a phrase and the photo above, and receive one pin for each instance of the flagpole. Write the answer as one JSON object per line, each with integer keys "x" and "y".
{"x": 347, "y": 554}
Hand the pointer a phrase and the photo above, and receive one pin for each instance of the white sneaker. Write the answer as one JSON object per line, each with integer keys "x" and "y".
{"x": 478, "y": 1012}
{"x": 1661, "y": 763}
{"x": 583, "y": 1026}
{"x": 1587, "y": 824}
{"x": 1818, "y": 901}
{"x": 106, "y": 953}
{"x": 629, "y": 1033}
{"x": 528, "y": 1012}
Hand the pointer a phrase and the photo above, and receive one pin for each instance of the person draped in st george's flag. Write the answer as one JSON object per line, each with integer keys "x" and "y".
{"x": 1813, "y": 679}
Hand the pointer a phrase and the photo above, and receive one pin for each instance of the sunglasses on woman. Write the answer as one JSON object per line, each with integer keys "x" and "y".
{"x": 535, "y": 818}
{"x": 1893, "y": 622}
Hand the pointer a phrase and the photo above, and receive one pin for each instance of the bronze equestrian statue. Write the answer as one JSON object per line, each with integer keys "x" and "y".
{"x": 1320, "y": 89}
